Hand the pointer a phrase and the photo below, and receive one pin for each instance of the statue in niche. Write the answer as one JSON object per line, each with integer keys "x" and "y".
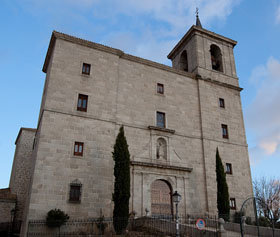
{"x": 161, "y": 149}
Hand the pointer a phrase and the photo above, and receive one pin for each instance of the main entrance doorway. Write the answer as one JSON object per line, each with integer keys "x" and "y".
{"x": 161, "y": 198}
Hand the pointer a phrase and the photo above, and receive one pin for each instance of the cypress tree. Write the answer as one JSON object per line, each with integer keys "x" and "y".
{"x": 121, "y": 193}
{"x": 222, "y": 189}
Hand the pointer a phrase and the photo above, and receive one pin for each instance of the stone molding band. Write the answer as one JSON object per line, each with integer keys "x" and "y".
{"x": 160, "y": 166}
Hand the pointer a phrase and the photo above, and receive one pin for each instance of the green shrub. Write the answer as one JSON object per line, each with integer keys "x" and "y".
{"x": 237, "y": 217}
{"x": 56, "y": 218}
{"x": 248, "y": 220}
{"x": 263, "y": 221}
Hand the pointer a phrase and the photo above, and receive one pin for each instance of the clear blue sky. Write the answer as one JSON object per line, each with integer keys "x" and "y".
{"x": 149, "y": 29}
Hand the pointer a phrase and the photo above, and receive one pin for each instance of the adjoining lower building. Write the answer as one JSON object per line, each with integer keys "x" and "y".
{"x": 174, "y": 119}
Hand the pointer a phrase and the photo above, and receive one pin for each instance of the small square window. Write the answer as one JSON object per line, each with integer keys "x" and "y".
{"x": 225, "y": 131}
{"x": 232, "y": 203}
{"x": 75, "y": 193}
{"x": 86, "y": 69}
{"x": 160, "y": 88}
{"x": 222, "y": 102}
{"x": 228, "y": 168}
{"x": 82, "y": 103}
{"x": 78, "y": 149}
{"x": 161, "y": 119}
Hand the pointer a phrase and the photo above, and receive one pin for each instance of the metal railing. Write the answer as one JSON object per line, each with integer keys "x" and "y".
{"x": 148, "y": 225}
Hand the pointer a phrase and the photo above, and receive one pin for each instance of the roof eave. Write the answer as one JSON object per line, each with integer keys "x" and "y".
{"x": 27, "y": 129}
{"x": 120, "y": 53}
{"x": 49, "y": 52}
{"x": 76, "y": 40}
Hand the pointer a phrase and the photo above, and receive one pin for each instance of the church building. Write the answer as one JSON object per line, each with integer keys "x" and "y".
{"x": 174, "y": 119}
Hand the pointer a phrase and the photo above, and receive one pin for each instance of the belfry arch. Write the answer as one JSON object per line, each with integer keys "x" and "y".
{"x": 216, "y": 58}
{"x": 183, "y": 64}
{"x": 161, "y": 198}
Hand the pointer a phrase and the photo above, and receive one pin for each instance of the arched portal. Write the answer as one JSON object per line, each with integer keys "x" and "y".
{"x": 161, "y": 193}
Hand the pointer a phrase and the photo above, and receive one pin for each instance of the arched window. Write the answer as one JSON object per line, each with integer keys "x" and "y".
{"x": 183, "y": 64}
{"x": 216, "y": 58}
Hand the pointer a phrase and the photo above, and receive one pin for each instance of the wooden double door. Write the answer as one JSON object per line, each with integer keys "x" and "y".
{"x": 161, "y": 198}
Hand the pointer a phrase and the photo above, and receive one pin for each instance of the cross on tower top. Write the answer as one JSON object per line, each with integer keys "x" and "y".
{"x": 198, "y": 23}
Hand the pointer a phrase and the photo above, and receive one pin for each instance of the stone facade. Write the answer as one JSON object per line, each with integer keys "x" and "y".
{"x": 15, "y": 196}
{"x": 21, "y": 170}
{"x": 122, "y": 90}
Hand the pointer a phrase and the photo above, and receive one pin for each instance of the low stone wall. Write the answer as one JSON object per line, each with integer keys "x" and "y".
{"x": 73, "y": 227}
{"x": 7, "y": 203}
{"x": 149, "y": 225}
{"x": 252, "y": 230}
{"x": 7, "y": 222}
{"x": 89, "y": 227}
{"x": 5, "y": 210}
{"x": 78, "y": 227}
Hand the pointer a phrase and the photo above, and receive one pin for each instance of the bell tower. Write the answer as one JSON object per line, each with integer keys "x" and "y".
{"x": 210, "y": 57}
{"x": 206, "y": 53}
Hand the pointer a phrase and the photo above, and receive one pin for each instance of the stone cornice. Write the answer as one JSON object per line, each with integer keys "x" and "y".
{"x": 194, "y": 30}
{"x": 161, "y": 129}
{"x": 141, "y": 127}
{"x": 118, "y": 52}
{"x": 224, "y": 84}
{"x": 156, "y": 65}
{"x": 198, "y": 77}
{"x": 160, "y": 166}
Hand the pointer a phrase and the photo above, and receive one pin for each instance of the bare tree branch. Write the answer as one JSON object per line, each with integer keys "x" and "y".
{"x": 267, "y": 193}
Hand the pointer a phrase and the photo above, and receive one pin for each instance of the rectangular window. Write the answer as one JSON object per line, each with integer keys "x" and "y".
{"x": 228, "y": 168}
{"x": 161, "y": 119}
{"x": 222, "y": 102}
{"x": 86, "y": 69}
{"x": 160, "y": 88}
{"x": 82, "y": 103}
{"x": 78, "y": 149}
{"x": 75, "y": 193}
{"x": 225, "y": 131}
{"x": 232, "y": 203}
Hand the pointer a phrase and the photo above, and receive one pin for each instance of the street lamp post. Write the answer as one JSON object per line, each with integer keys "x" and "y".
{"x": 176, "y": 198}
{"x": 12, "y": 221}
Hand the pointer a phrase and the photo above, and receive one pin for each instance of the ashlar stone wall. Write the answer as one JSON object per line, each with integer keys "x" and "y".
{"x": 21, "y": 170}
{"x": 121, "y": 90}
